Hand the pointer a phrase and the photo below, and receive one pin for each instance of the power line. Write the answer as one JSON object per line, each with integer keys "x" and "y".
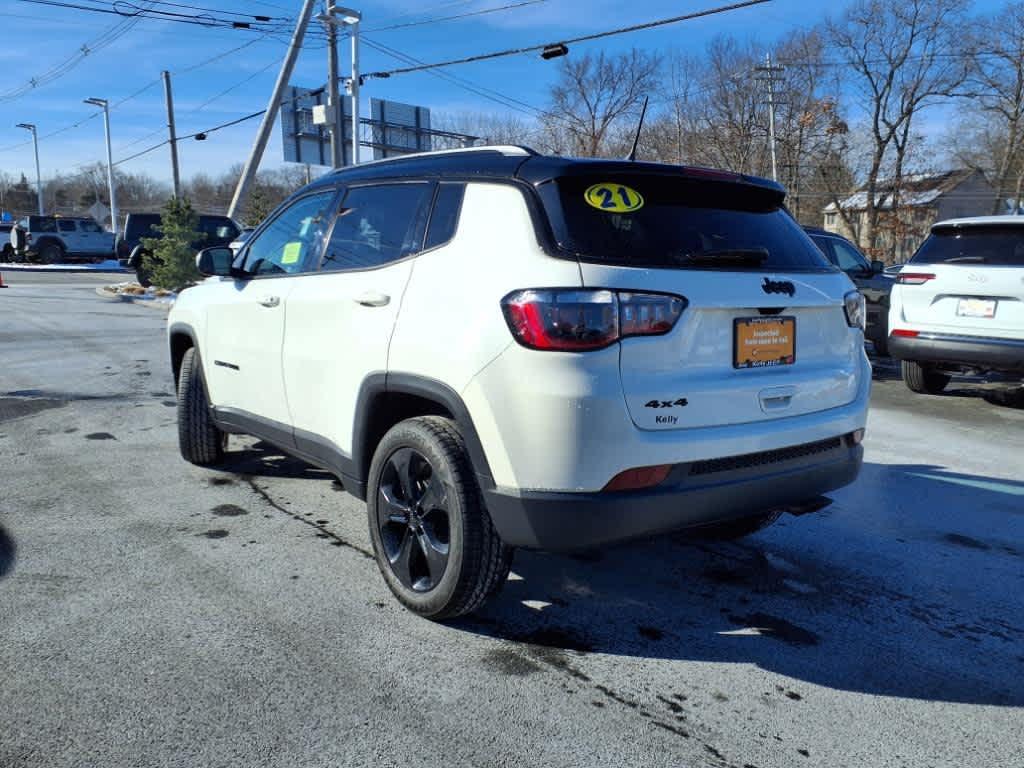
{"x": 99, "y": 42}
{"x": 581, "y": 39}
{"x": 128, "y": 10}
{"x": 456, "y": 17}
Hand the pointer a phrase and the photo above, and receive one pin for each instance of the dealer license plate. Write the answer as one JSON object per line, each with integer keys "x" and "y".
{"x": 761, "y": 342}
{"x": 976, "y": 308}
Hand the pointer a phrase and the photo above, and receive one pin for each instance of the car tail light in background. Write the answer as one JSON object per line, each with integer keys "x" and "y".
{"x": 856, "y": 309}
{"x": 903, "y": 333}
{"x": 914, "y": 278}
{"x": 639, "y": 477}
{"x": 577, "y": 320}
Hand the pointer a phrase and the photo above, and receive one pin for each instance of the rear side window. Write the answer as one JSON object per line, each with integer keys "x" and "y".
{"x": 217, "y": 229}
{"x": 444, "y": 219}
{"x": 66, "y": 226}
{"x": 992, "y": 246}
{"x": 377, "y": 225}
{"x": 672, "y": 222}
{"x": 142, "y": 225}
{"x": 42, "y": 224}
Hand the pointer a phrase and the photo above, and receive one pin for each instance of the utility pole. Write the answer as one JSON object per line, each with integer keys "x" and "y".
{"x": 770, "y": 78}
{"x": 110, "y": 161}
{"x": 173, "y": 139}
{"x": 39, "y": 176}
{"x": 270, "y": 116}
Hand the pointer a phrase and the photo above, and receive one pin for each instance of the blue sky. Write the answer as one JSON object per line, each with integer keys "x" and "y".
{"x": 38, "y": 37}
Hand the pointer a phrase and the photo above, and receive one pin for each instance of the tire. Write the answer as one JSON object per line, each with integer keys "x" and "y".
{"x": 881, "y": 346}
{"x": 432, "y": 537}
{"x": 143, "y": 276}
{"x": 731, "y": 530}
{"x": 8, "y": 254}
{"x": 51, "y": 253}
{"x": 923, "y": 379}
{"x": 199, "y": 439}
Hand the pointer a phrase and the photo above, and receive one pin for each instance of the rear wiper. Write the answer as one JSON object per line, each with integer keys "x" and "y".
{"x": 969, "y": 259}
{"x": 751, "y": 257}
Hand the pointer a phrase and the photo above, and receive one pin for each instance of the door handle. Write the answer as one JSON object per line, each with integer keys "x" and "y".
{"x": 270, "y": 301}
{"x": 373, "y": 299}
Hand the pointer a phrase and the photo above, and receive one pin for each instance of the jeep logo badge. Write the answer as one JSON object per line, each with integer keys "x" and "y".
{"x": 778, "y": 286}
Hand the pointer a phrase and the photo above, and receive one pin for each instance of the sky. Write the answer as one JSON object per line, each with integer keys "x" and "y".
{"x": 39, "y": 37}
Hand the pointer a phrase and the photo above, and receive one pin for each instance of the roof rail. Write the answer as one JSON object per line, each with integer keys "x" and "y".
{"x": 508, "y": 150}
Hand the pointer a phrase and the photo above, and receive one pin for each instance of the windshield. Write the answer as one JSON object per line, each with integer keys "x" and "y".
{"x": 678, "y": 223}
{"x": 992, "y": 246}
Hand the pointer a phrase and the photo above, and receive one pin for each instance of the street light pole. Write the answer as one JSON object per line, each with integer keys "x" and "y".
{"x": 39, "y": 176}
{"x": 110, "y": 161}
{"x": 336, "y": 15}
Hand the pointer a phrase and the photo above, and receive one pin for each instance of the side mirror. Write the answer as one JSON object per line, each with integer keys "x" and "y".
{"x": 215, "y": 262}
{"x": 877, "y": 267}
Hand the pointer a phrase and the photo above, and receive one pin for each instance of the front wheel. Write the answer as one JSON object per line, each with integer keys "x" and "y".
{"x": 923, "y": 379}
{"x": 199, "y": 439}
{"x": 432, "y": 537}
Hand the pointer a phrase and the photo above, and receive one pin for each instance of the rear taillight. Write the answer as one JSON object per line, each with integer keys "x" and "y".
{"x": 577, "y": 320}
{"x": 914, "y": 278}
{"x": 904, "y": 333}
{"x": 855, "y": 308}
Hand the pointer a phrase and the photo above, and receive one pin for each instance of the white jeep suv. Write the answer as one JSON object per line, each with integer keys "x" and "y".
{"x": 958, "y": 304}
{"x": 498, "y": 349}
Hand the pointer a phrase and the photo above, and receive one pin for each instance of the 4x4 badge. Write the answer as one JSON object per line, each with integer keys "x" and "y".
{"x": 778, "y": 286}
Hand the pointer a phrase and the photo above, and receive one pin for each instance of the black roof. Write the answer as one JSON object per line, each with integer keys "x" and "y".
{"x": 519, "y": 163}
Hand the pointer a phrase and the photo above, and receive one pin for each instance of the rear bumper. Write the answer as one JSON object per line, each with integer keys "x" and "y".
{"x": 974, "y": 351}
{"x": 694, "y": 494}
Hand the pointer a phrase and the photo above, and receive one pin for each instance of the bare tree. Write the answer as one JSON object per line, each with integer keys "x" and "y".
{"x": 996, "y": 81}
{"x": 898, "y": 57}
{"x": 593, "y": 95}
{"x": 488, "y": 127}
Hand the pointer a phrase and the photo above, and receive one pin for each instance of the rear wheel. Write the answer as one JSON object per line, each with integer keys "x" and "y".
{"x": 51, "y": 253}
{"x": 199, "y": 439}
{"x": 881, "y": 346}
{"x": 433, "y": 539}
{"x": 731, "y": 530}
{"x": 923, "y": 379}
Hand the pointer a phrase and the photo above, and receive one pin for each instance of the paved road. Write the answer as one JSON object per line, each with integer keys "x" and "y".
{"x": 153, "y": 613}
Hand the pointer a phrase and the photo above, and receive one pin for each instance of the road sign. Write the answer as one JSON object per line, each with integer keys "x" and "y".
{"x": 305, "y": 141}
{"x": 399, "y": 129}
{"x": 99, "y": 211}
{"x": 394, "y": 129}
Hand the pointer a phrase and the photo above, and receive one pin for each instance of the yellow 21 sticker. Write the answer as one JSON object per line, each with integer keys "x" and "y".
{"x": 614, "y": 198}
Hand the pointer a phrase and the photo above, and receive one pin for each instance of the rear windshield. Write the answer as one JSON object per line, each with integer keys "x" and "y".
{"x": 676, "y": 223}
{"x": 141, "y": 225}
{"x": 993, "y": 246}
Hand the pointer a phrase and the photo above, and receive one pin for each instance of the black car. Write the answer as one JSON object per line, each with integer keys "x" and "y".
{"x": 869, "y": 278}
{"x": 217, "y": 230}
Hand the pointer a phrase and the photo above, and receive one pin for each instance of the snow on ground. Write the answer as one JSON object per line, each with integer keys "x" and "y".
{"x": 110, "y": 265}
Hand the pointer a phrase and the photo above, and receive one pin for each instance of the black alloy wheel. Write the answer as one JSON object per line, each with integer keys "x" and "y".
{"x": 413, "y": 518}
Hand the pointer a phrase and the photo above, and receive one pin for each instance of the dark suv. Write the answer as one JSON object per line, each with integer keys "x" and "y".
{"x": 217, "y": 230}
{"x": 869, "y": 278}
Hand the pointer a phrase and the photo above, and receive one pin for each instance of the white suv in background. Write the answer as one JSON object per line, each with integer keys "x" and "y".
{"x": 958, "y": 304}
{"x": 498, "y": 349}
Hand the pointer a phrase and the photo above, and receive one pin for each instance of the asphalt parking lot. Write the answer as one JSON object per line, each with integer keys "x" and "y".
{"x": 154, "y": 613}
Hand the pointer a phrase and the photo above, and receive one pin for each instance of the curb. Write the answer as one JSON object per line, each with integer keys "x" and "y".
{"x": 163, "y": 306}
{"x": 69, "y": 271}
